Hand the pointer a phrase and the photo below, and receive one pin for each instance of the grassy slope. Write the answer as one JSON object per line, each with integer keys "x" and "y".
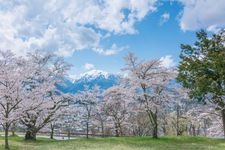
{"x": 123, "y": 143}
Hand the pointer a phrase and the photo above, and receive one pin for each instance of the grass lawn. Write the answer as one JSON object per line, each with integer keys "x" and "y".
{"x": 121, "y": 143}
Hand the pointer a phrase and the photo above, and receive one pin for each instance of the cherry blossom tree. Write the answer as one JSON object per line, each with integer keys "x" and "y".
{"x": 178, "y": 107}
{"x": 100, "y": 117}
{"x": 12, "y": 75}
{"x": 204, "y": 120}
{"x": 116, "y": 107}
{"x": 139, "y": 123}
{"x": 67, "y": 121}
{"x": 149, "y": 80}
{"x": 87, "y": 101}
{"x": 43, "y": 100}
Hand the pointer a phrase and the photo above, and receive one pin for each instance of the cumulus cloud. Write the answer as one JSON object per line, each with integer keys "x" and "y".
{"x": 164, "y": 18}
{"x": 167, "y": 61}
{"x": 89, "y": 66}
{"x": 67, "y": 26}
{"x": 114, "y": 49}
{"x": 197, "y": 14}
{"x": 214, "y": 29}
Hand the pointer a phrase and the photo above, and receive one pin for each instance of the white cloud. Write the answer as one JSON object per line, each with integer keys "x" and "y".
{"x": 89, "y": 66}
{"x": 114, "y": 49}
{"x": 164, "y": 18}
{"x": 67, "y": 26}
{"x": 213, "y": 29}
{"x": 199, "y": 14}
{"x": 167, "y": 61}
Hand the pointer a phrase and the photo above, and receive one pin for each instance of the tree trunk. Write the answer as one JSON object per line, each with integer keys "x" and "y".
{"x": 116, "y": 130}
{"x": 13, "y": 133}
{"x": 155, "y": 131}
{"x": 198, "y": 130}
{"x": 13, "y": 128}
{"x": 102, "y": 128}
{"x": 68, "y": 134}
{"x": 6, "y": 136}
{"x": 177, "y": 121}
{"x": 164, "y": 129}
{"x": 193, "y": 130}
{"x": 223, "y": 120}
{"x": 121, "y": 130}
{"x": 52, "y": 131}
{"x": 205, "y": 127}
{"x": 155, "y": 126}
{"x": 87, "y": 128}
{"x": 190, "y": 130}
{"x": 30, "y": 135}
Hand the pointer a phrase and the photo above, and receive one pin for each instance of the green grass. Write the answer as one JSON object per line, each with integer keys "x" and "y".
{"x": 121, "y": 143}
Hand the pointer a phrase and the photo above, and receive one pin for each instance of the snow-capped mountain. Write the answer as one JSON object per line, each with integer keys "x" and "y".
{"x": 91, "y": 78}
{"x": 92, "y": 74}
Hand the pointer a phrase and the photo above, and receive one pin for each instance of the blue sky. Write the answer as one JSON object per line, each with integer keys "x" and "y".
{"x": 96, "y": 34}
{"x": 153, "y": 40}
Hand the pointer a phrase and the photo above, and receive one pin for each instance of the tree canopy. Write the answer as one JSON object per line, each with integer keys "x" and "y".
{"x": 202, "y": 67}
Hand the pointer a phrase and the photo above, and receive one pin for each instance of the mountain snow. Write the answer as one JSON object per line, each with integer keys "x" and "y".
{"x": 91, "y": 78}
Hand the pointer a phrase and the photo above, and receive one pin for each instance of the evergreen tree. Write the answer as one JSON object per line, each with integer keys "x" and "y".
{"x": 202, "y": 70}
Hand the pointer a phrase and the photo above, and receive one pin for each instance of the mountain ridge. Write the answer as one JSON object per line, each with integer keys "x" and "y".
{"x": 99, "y": 78}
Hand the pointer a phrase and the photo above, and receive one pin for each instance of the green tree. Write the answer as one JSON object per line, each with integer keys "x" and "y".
{"x": 202, "y": 70}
